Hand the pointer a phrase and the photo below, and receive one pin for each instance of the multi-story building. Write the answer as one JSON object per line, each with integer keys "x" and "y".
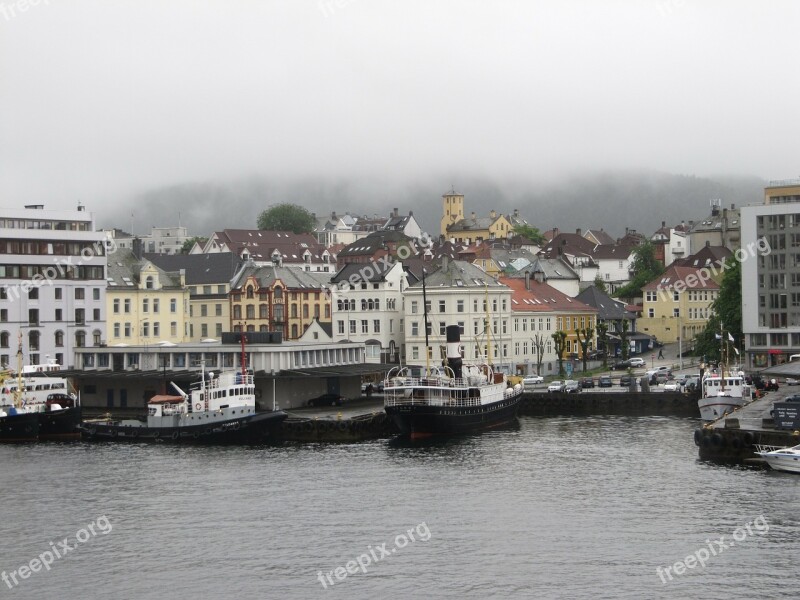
{"x": 771, "y": 275}
{"x": 612, "y": 313}
{"x": 468, "y": 230}
{"x": 458, "y": 293}
{"x": 53, "y": 288}
{"x": 677, "y": 304}
{"x": 273, "y": 298}
{"x": 160, "y": 240}
{"x": 145, "y": 304}
{"x": 208, "y": 277}
{"x": 720, "y": 228}
{"x": 539, "y": 310}
{"x": 368, "y": 307}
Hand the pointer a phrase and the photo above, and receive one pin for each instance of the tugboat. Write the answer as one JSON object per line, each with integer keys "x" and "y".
{"x": 50, "y": 412}
{"x": 217, "y": 410}
{"x": 451, "y": 399}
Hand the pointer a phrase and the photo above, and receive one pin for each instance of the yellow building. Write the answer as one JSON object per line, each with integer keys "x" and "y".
{"x": 678, "y": 303}
{"x": 144, "y": 304}
{"x": 281, "y": 299}
{"x": 455, "y": 227}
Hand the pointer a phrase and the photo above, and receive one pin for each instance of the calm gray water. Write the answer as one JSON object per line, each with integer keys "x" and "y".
{"x": 556, "y": 508}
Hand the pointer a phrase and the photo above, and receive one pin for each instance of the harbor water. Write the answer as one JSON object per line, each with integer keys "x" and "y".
{"x": 557, "y": 507}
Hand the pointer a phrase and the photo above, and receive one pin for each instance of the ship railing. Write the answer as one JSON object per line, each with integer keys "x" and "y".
{"x": 448, "y": 382}
{"x": 400, "y": 400}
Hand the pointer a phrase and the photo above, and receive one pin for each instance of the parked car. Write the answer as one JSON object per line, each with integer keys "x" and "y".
{"x": 792, "y": 398}
{"x": 620, "y": 365}
{"x": 637, "y": 361}
{"x": 625, "y": 380}
{"x": 327, "y": 400}
{"x": 661, "y": 377}
{"x": 672, "y": 386}
{"x": 791, "y": 381}
{"x": 587, "y": 382}
{"x": 604, "y": 381}
{"x": 571, "y": 386}
{"x": 532, "y": 380}
{"x": 556, "y": 386}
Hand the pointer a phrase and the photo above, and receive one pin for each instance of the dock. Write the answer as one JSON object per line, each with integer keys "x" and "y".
{"x": 733, "y": 438}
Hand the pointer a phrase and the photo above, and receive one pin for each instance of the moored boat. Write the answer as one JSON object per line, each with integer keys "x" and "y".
{"x": 451, "y": 399}
{"x": 217, "y": 410}
{"x": 781, "y": 459}
{"x": 722, "y": 393}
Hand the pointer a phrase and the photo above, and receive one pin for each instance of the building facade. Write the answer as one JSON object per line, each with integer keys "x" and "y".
{"x": 771, "y": 275}
{"x": 53, "y": 284}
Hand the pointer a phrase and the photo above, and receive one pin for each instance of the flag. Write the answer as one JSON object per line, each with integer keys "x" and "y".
{"x": 735, "y": 349}
{"x": 730, "y": 337}
{"x": 717, "y": 336}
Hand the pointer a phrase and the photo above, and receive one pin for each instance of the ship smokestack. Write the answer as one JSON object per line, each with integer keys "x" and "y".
{"x": 454, "y": 350}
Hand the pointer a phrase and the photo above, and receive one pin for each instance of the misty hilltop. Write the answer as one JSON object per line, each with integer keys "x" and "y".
{"x": 612, "y": 200}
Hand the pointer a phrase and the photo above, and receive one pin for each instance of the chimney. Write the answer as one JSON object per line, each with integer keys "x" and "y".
{"x": 539, "y": 276}
{"x": 445, "y": 260}
{"x": 663, "y": 224}
{"x": 136, "y": 247}
{"x": 492, "y": 214}
{"x": 691, "y": 224}
{"x": 411, "y": 213}
{"x": 708, "y": 243}
{"x": 516, "y": 212}
{"x": 473, "y": 215}
{"x": 395, "y": 213}
{"x": 555, "y": 231}
{"x": 578, "y": 231}
{"x": 527, "y": 280}
{"x": 733, "y": 206}
{"x": 333, "y": 215}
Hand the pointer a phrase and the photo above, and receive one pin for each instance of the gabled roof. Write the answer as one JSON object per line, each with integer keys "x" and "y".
{"x": 372, "y": 243}
{"x": 124, "y": 271}
{"x": 372, "y": 272}
{"x": 476, "y": 224}
{"x": 533, "y": 296}
{"x": 551, "y": 268}
{"x": 567, "y": 243}
{"x": 200, "y": 268}
{"x": 674, "y": 273}
{"x": 458, "y": 273}
{"x": 292, "y": 278}
{"x": 608, "y": 308}
{"x": 705, "y": 257}
{"x": 612, "y": 252}
{"x": 262, "y": 244}
{"x": 600, "y": 235}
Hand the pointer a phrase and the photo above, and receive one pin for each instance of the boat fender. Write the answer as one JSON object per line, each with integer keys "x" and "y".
{"x": 175, "y": 435}
{"x": 309, "y": 426}
{"x": 156, "y": 435}
{"x": 749, "y": 438}
{"x": 737, "y": 443}
{"x": 706, "y": 441}
{"x": 135, "y": 432}
{"x": 198, "y": 406}
{"x": 718, "y": 440}
{"x": 342, "y": 425}
{"x": 698, "y": 436}
{"x": 236, "y": 426}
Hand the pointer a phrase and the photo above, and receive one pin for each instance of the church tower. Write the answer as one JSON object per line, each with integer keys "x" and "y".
{"x": 452, "y": 210}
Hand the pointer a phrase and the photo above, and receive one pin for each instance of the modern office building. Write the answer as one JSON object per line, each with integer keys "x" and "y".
{"x": 52, "y": 284}
{"x": 771, "y": 275}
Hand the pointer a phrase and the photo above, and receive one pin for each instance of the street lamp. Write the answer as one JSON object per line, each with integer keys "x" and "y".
{"x": 680, "y": 341}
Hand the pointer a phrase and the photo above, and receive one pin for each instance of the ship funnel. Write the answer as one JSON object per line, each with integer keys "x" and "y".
{"x": 454, "y": 349}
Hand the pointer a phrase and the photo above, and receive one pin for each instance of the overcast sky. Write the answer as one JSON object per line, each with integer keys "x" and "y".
{"x": 102, "y": 100}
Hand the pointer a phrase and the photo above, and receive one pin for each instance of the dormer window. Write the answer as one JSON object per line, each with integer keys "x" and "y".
{"x": 148, "y": 282}
{"x": 278, "y": 293}
{"x": 249, "y": 292}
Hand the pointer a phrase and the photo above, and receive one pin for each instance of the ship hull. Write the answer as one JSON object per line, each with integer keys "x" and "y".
{"x": 252, "y": 429}
{"x": 420, "y": 421}
{"x": 60, "y": 424}
{"x": 713, "y": 408}
{"x": 19, "y": 428}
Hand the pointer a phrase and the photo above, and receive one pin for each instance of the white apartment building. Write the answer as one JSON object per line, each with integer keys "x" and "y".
{"x": 368, "y": 307}
{"x": 52, "y": 284}
{"x": 459, "y": 293}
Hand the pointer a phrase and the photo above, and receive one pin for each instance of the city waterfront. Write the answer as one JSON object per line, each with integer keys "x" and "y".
{"x": 555, "y": 507}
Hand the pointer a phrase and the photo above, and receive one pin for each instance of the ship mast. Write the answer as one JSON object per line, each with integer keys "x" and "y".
{"x": 487, "y": 327}
{"x": 19, "y": 391}
{"x": 722, "y": 358}
{"x": 425, "y": 324}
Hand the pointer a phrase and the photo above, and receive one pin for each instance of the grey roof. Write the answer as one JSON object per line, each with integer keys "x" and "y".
{"x": 372, "y": 272}
{"x": 292, "y": 277}
{"x": 553, "y": 268}
{"x": 372, "y": 243}
{"x": 124, "y": 270}
{"x": 458, "y": 273}
{"x": 470, "y": 224}
{"x": 608, "y": 308}
{"x": 200, "y": 268}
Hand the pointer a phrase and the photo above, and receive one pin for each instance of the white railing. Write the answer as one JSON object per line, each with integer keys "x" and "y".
{"x": 430, "y": 401}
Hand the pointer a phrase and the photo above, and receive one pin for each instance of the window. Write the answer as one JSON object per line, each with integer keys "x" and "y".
{"x": 80, "y": 339}
{"x": 218, "y": 310}
{"x": 676, "y": 312}
{"x": 33, "y": 293}
{"x": 148, "y": 282}
{"x": 651, "y": 296}
{"x": 80, "y": 317}
{"x": 414, "y": 328}
{"x": 676, "y": 297}
{"x": 127, "y": 330}
{"x": 155, "y": 305}
{"x": 96, "y": 314}
{"x": 145, "y": 329}
{"x": 278, "y": 293}
{"x": 442, "y": 328}
{"x": 376, "y": 326}
{"x": 59, "y": 339}
{"x": 364, "y": 326}
{"x": 79, "y": 293}
{"x": 204, "y": 330}
{"x": 4, "y": 315}
{"x": 116, "y": 330}
{"x": 58, "y": 316}
{"x": 237, "y": 312}
{"x": 263, "y": 311}
{"x": 460, "y": 306}
{"x": 173, "y": 305}
{"x": 352, "y": 326}
{"x": 96, "y": 294}
{"x": 156, "y": 329}
{"x": 203, "y": 310}
{"x": 651, "y": 312}
{"x": 33, "y": 316}
{"x": 4, "y": 337}
{"x": 116, "y": 306}
{"x": 414, "y": 307}
{"x": 145, "y": 305}
{"x": 59, "y": 291}
{"x": 127, "y": 305}
{"x": 340, "y": 327}
{"x": 442, "y": 306}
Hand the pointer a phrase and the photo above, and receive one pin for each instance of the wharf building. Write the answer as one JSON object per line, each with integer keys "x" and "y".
{"x": 52, "y": 284}
{"x": 771, "y": 281}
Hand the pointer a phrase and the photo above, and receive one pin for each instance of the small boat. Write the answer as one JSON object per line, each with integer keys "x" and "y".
{"x": 722, "y": 393}
{"x": 781, "y": 459}
{"x": 217, "y": 410}
{"x": 451, "y": 399}
{"x": 39, "y": 394}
